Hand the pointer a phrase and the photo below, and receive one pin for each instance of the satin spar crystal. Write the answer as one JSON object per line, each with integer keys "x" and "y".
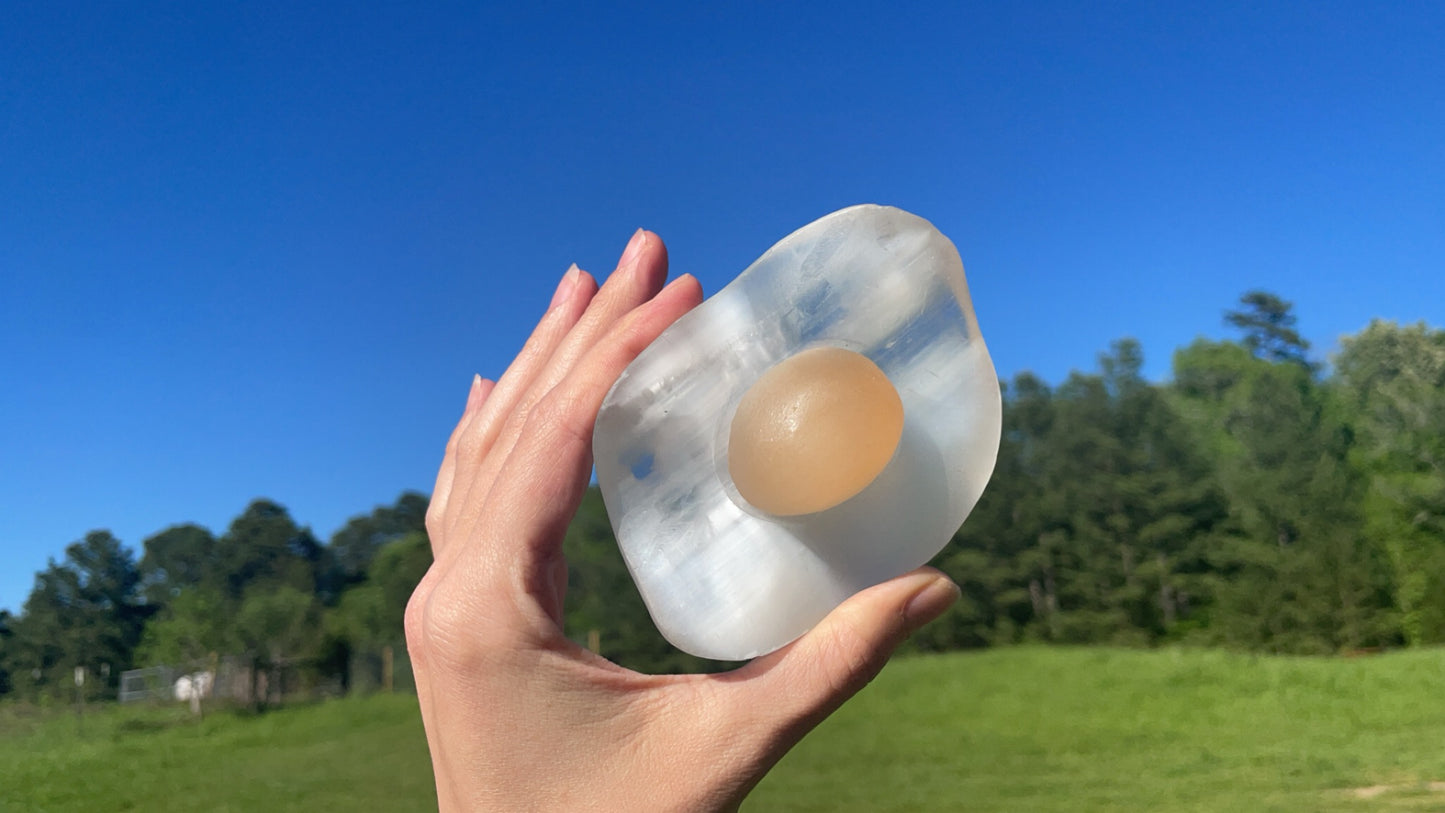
{"x": 802, "y": 363}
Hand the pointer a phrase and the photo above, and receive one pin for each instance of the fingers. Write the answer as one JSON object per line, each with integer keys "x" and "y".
{"x": 538, "y": 490}
{"x": 436, "y": 509}
{"x": 569, "y": 302}
{"x": 790, "y": 691}
{"x": 639, "y": 276}
{"x": 514, "y": 390}
{"x": 531, "y": 438}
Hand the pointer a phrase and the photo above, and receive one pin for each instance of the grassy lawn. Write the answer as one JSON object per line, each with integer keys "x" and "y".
{"x": 364, "y": 754}
{"x": 1020, "y": 729}
{"x": 1095, "y": 729}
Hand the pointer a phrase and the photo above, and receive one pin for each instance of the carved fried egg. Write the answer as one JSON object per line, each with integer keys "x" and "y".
{"x": 822, "y": 424}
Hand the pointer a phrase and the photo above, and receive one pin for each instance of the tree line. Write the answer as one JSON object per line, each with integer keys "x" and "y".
{"x": 1256, "y": 500}
{"x": 266, "y": 589}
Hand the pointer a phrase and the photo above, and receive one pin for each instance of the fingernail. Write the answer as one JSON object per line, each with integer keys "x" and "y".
{"x": 474, "y": 394}
{"x": 566, "y": 286}
{"x": 634, "y": 248}
{"x": 676, "y": 282}
{"x": 930, "y": 602}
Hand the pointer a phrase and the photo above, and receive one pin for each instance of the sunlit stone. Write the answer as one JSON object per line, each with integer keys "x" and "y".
{"x": 813, "y": 431}
{"x": 737, "y": 557}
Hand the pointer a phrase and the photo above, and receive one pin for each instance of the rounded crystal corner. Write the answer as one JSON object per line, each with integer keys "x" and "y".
{"x": 725, "y": 582}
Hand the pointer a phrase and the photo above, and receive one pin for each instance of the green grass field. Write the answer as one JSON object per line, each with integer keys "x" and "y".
{"x": 1094, "y": 729}
{"x": 1028, "y": 729}
{"x": 364, "y": 754}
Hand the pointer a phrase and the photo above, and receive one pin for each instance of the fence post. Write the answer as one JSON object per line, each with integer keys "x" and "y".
{"x": 80, "y": 699}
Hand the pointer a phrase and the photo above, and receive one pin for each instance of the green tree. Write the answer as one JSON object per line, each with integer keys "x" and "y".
{"x": 1392, "y": 381}
{"x": 1268, "y": 323}
{"x": 264, "y": 549}
{"x": 83, "y": 611}
{"x": 370, "y": 616}
{"x": 1295, "y": 570}
{"x": 396, "y": 570}
{"x": 1003, "y": 557}
{"x": 363, "y": 537}
{"x": 177, "y": 558}
{"x": 982, "y": 558}
{"x": 195, "y": 624}
{"x": 1133, "y": 503}
{"x": 1092, "y": 527}
{"x": 277, "y": 627}
{"x": 361, "y": 619}
{"x": 5, "y": 635}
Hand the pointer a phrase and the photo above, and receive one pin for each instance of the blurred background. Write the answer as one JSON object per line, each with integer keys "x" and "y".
{"x": 251, "y": 255}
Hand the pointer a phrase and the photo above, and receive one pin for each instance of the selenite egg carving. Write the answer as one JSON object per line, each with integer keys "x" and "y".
{"x": 824, "y": 423}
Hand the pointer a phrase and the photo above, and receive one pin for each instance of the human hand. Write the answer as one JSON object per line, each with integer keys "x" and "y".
{"x": 517, "y": 716}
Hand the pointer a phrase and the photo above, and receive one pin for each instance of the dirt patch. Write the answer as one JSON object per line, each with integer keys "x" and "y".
{"x": 1373, "y": 791}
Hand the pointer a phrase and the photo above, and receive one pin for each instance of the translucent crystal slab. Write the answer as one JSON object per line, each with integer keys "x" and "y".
{"x": 724, "y": 580}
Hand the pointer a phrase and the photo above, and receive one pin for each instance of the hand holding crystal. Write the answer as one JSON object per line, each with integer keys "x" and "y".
{"x": 519, "y": 717}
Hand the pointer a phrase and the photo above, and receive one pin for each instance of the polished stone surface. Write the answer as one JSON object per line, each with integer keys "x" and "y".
{"x": 725, "y": 580}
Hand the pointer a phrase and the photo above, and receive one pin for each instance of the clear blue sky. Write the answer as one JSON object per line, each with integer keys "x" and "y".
{"x": 259, "y": 249}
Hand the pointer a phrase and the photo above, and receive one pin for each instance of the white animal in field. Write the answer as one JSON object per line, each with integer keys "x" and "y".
{"x": 194, "y": 686}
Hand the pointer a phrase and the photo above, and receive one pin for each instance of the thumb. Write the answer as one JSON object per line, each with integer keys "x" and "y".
{"x": 807, "y": 680}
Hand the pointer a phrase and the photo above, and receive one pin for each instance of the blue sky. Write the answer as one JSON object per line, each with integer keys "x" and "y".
{"x": 259, "y": 249}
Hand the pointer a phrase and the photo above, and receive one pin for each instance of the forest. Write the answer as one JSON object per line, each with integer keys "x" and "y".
{"x": 1257, "y": 500}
